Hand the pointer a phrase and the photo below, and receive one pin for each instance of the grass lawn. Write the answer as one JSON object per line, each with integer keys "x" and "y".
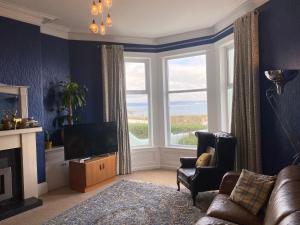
{"x": 179, "y": 125}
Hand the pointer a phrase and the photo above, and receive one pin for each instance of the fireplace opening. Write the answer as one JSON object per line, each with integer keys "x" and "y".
{"x": 12, "y": 200}
{"x": 10, "y": 176}
{"x": 5, "y": 184}
{"x": 2, "y": 190}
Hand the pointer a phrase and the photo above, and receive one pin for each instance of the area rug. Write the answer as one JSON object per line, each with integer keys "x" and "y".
{"x": 136, "y": 203}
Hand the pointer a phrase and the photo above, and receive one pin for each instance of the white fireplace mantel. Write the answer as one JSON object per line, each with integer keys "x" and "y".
{"x": 25, "y": 140}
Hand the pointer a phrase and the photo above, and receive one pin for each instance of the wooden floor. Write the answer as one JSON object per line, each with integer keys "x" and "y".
{"x": 57, "y": 201}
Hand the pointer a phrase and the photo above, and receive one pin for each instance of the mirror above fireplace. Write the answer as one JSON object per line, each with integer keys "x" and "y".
{"x": 13, "y": 98}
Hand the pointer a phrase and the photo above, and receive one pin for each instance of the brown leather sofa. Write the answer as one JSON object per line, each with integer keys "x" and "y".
{"x": 283, "y": 207}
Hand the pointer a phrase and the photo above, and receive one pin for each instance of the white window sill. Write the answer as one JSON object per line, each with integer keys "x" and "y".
{"x": 184, "y": 148}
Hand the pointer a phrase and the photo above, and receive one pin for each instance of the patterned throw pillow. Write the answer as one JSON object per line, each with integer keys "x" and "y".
{"x": 252, "y": 190}
{"x": 203, "y": 160}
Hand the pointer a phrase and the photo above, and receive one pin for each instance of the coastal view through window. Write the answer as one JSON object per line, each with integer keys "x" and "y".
{"x": 187, "y": 99}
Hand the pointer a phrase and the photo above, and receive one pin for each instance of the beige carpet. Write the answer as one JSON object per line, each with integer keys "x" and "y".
{"x": 57, "y": 201}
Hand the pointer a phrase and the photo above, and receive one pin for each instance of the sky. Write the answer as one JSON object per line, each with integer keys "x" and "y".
{"x": 184, "y": 74}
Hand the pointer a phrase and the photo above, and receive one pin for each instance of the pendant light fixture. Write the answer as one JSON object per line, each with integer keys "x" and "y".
{"x": 101, "y": 11}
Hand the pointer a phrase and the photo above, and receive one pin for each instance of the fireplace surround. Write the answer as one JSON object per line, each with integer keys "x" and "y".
{"x": 18, "y": 163}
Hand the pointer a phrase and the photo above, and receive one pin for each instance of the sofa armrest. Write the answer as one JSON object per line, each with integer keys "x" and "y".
{"x": 228, "y": 182}
{"x": 188, "y": 162}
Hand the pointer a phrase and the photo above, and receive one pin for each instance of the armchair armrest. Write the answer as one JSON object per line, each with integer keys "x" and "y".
{"x": 228, "y": 182}
{"x": 188, "y": 162}
{"x": 206, "y": 178}
{"x": 208, "y": 170}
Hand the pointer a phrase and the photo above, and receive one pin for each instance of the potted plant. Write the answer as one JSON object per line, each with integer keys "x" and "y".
{"x": 48, "y": 142}
{"x": 73, "y": 98}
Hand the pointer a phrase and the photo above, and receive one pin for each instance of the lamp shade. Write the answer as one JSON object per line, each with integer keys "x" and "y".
{"x": 281, "y": 77}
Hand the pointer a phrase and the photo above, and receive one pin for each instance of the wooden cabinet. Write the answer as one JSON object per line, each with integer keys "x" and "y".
{"x": 92, "y": 173}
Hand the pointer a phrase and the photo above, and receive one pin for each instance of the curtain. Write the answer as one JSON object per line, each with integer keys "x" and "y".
{"x": 114, "y": 101}
{"x": 245, "y": 123}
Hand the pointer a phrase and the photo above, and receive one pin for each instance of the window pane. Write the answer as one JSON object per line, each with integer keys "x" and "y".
{"x": 230, "y": 66}
{"x": 138, "y": 122}
{"x": 229, "y": 102}
{"x": 187, "y": 73}
{"x": 135, "y": 75}
{"x": 188, "y": 113}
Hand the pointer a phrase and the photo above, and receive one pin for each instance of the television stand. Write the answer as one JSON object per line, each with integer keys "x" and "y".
{"x": 92, "y": 173}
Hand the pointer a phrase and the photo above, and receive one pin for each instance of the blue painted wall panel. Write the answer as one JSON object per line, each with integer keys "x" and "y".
{"x": 20, "y": 64}
{"x": 55, "y": 68}
{"x": 279, "y": 49}
{"x": 85, "y": 67}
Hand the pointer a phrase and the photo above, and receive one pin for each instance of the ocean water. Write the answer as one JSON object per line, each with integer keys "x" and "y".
{"x": 176, "y": 108}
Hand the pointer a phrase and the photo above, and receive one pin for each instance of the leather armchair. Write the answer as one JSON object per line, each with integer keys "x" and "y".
{"x": 209, "y": 177}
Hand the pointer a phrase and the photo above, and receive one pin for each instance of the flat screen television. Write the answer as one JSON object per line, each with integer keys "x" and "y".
{"x": 87, "y": 140}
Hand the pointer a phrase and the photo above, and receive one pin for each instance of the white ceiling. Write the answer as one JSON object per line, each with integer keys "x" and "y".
{"x": 139, "y": 18}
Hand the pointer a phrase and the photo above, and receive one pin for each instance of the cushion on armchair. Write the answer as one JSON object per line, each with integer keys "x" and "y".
{"x": 203, "y": 160}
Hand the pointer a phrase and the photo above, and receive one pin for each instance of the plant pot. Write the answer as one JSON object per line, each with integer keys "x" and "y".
{"x": 48, "y": 144}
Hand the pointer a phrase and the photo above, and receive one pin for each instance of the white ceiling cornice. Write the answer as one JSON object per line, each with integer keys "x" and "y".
{"x": 240, "y": 11}
{"x": 22, "y": 14}
{"x": 109, "y": 38}
{"x": 48, "y": 25}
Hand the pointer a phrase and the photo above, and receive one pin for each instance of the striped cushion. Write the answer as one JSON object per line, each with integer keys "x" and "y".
{"x": 252, "y": 190}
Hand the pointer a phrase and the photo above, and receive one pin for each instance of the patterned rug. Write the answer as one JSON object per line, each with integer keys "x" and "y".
{"x": 136, "y": 203}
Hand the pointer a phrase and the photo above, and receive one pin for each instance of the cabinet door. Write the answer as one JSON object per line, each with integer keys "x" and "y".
{"x": 57, "y": 170}
{"x": 95, "y": 172}
{"x": 110, "y": 167}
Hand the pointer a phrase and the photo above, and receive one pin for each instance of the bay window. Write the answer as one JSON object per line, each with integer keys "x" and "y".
{"x": 229, "y": 81}
{"x": 138, "y": 101}
{"x": 186, "y": 97}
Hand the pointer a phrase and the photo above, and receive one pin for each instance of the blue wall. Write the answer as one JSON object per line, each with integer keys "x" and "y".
{"x": 30, "y": 58}
{"x": 20, "y": 64}
{"x": 279, "y": 49}
{"x": 55, "y": 68}
{"x": 85, "y": 64}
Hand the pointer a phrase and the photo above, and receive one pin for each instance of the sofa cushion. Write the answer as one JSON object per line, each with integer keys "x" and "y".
{"x": 252, "y": 190}
{"x": 223, "y": 208}
{"x": 207, "y": 220}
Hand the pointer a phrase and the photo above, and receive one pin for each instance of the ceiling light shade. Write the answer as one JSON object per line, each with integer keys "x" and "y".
{"x": 108, "y": 20}
{"x": 108, "y": 3}
{"x": 94, "y": 27}
{"x": 100, "y": 7}
{"x": 102, "y": 28}
{"x": 94, "y": 9}
{"x": 101, "y": 10}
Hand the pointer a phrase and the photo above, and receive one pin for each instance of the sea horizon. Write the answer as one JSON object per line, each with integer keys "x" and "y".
{"x": 179, "y": 108}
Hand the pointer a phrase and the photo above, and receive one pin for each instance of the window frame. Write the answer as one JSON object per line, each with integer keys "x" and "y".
{"x": 228, "y": 85}
{"x": 167, "y": 92}
{"x": 147, "y": 92}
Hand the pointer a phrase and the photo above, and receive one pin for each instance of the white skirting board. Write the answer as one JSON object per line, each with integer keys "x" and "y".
{"x": 42, "y": 188}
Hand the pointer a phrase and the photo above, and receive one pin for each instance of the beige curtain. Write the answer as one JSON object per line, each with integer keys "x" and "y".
{"x": 114, "y": 100}
{"x": 245, "y": 123}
